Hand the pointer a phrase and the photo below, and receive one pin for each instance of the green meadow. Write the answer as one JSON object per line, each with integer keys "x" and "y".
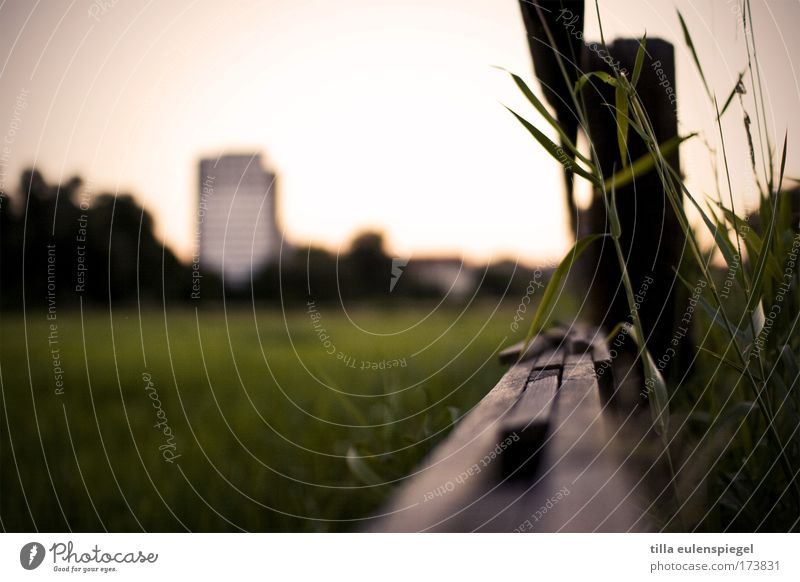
{"x": 256, "y": 420}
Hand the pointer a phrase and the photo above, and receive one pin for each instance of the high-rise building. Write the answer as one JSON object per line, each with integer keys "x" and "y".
{"x": 237, "y": 224}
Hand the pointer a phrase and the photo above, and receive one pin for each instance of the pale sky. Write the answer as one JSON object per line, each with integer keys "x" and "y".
{"x": 383, "y": 114}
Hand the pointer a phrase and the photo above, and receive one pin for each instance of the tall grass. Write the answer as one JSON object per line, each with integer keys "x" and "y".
{"x": 729, "y": 432}
{"x": 274, "y": 433}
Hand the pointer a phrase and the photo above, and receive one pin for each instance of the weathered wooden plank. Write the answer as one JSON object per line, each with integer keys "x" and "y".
{"x": 513, "y": 354}
{"x": 529, "y": 420}
{"x": 538, "y": 453}
{"x": 558, "y": 339}
{"x": 583, "y": 460}
{"x": 464, "y": 467}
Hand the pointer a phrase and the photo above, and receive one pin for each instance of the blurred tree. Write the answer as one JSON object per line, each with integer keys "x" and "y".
{"x": 47, "y": 233}
{"x": 367, "y": 266}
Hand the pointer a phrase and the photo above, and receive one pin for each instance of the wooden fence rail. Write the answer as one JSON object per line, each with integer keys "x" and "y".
{"x": 553, "y": 446}
{"x": 544, "y": 450}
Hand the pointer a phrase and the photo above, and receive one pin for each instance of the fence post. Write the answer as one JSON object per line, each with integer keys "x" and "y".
{"x": 652, "y": 239}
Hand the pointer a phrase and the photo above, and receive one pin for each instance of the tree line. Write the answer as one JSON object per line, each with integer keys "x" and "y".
{"x": 62, "y": 244}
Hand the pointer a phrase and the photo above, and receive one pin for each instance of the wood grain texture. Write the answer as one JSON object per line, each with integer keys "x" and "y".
{"x": 540, "y": 452}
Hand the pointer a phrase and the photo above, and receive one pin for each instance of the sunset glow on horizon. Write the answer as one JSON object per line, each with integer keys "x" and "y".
{"x": 382, "y": 116}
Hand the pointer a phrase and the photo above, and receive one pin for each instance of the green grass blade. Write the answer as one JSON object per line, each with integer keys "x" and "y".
{"x": 645, "y": 163}
{"x": 760, "y": 267}
{"x": 758, "y": 319}
{"x": 720, "y": 224}
{"x": 603, "y": 76}
{"x": 621, "y": 98}
{"x": 783, "y": 162}
{"x": 716, "y": 315}
{"x": 655, "y": 386}
{"x": 688, "y": 38}
{"x": 558, "y": 154}
{"x": 721, "y": 240}
{"x": 559, "y": 275}
{"x": 737, "y": 89}
{"x": 615, "y": 331}
{"x": 540, "y": 107}
{"x": 637, "y": 67}
{"x": 613, "y": 214}
{"x": 721, "y": 229}
{"x": 752, "y": 241}
{"x": 730, "y": 363}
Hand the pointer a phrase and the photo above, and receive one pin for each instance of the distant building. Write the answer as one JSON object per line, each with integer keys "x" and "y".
{"x": 447, "y": 277}
{"x": 238, "y": 230}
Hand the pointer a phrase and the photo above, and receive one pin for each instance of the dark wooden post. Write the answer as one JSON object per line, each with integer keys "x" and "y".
{"x": 555, "y": 82}
{"x": 652, "y": 240}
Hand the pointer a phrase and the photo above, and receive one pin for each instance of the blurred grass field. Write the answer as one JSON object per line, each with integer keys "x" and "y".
{"x": 262, "y": 416}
